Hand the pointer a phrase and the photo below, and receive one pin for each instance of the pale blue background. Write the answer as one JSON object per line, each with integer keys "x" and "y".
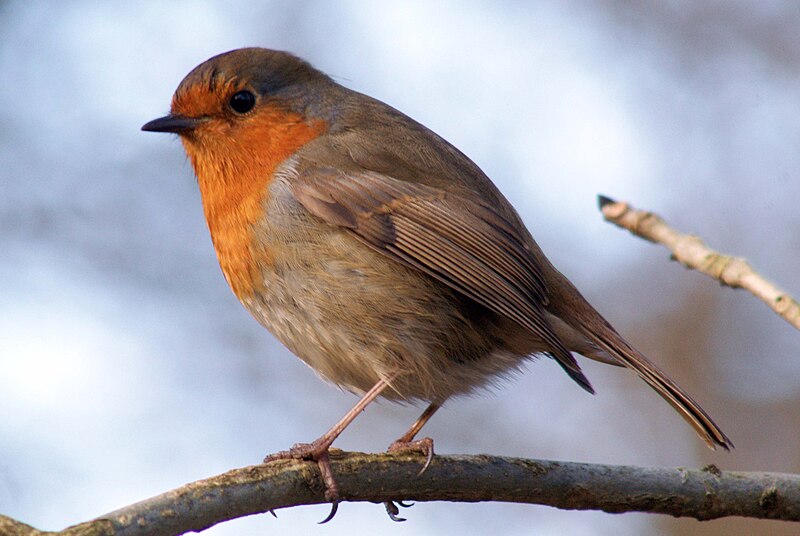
{"x": 128, "y": 368}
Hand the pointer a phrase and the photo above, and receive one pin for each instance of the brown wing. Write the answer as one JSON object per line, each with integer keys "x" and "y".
{"x": 460, "y": 241}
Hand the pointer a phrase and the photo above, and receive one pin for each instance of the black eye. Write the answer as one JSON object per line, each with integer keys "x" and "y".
{"x": 242, "y": 101}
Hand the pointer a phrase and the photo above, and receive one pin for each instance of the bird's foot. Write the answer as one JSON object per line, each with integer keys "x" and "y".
{"x": 318, "y": 452}
{"x": 392, "y": 510}
{"x": 422, "y": 446}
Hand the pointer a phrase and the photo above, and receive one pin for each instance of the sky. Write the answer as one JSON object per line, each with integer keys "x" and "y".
{"x": 127, "y": 367}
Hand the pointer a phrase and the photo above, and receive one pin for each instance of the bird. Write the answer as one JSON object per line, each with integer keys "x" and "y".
{"x": 376, "y": 251}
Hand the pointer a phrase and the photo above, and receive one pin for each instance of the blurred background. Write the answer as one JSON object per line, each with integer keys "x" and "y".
{"x": 128, "y": 368}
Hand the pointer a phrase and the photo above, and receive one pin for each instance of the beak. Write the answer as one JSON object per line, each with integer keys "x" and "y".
{"x": 178, "y": 124}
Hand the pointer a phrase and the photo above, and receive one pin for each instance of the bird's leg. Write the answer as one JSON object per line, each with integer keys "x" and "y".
{"x": 406, "y": 442}
{"x": 318, "y": 449}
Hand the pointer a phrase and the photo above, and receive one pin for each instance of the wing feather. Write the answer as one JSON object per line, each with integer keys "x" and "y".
{"x": 455, "y": 239}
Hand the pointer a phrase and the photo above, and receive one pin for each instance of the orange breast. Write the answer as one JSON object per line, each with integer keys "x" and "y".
{"x": 234, "y": 165}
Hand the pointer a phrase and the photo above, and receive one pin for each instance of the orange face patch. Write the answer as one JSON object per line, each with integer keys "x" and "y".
{"x": 234, "y": 160}
{"x": 203, "y": 93}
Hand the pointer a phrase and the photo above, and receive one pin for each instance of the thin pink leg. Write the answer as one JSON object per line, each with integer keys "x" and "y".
{"x": 407, "y": 443}
{"x": 425, "y": 445}
{"x": 318, "y": 449}
{"x": 419, "y": 423}
{"x": 330, "y": 436}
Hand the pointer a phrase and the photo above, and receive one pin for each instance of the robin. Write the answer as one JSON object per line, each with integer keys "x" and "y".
{"x": 377, "y": 252}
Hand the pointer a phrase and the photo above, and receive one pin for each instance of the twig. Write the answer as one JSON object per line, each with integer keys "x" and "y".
{"x": 699, "y": 493}
{"x": 695, "y": 254}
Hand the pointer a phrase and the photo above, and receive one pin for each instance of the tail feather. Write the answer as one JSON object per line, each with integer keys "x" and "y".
{"x": 577, "y": 375}
{"x": 572, "y": 308}
{"x": 690, "y": 410}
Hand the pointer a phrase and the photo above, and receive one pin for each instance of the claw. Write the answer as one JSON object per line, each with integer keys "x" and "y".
{"x": 273, "y": 514}
{"x": 429, "y": 457}
{"x": 404, "y": 505}
{"x": 421, "y": 446}
{"x": 319, "y": 454}
{"x": 282, "y": 455}
{"x": 392, "y": 511}
{"x": 334, "y": 509}
{"x": 299, "y": 451}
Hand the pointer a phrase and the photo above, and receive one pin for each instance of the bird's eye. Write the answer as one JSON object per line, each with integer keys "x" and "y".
{"x": 242, "y": 101}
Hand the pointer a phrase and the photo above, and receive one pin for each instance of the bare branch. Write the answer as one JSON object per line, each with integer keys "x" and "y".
{"x": 701, "y": 494}
{"x": 695, "y": 254}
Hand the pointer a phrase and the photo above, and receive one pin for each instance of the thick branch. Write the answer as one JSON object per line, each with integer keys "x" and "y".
{"x": 695, "y": 254}
{"x": 701, "y": 494}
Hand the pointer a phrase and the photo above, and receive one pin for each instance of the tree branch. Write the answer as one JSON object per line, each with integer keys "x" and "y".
{"x": 695, "y": 254}
{"x": 703, "y": 494}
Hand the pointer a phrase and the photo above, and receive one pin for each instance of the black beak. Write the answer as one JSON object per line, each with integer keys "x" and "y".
{"x": 177, "y": 124}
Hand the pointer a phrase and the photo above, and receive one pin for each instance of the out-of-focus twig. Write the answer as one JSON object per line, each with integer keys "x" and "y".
{"x": 695, "y": 254}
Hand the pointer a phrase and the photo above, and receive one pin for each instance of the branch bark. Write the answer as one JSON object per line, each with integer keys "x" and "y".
{"x": 703, "y": 494}
{"x": 693, "y": 253}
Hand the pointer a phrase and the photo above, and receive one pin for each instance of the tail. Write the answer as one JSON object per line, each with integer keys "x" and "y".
{"x": 690, "y": 410}
{"x": 577, "y": 312}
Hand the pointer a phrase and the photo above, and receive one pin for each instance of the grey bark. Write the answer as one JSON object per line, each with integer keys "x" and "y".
{"x": 703, "y": 494}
